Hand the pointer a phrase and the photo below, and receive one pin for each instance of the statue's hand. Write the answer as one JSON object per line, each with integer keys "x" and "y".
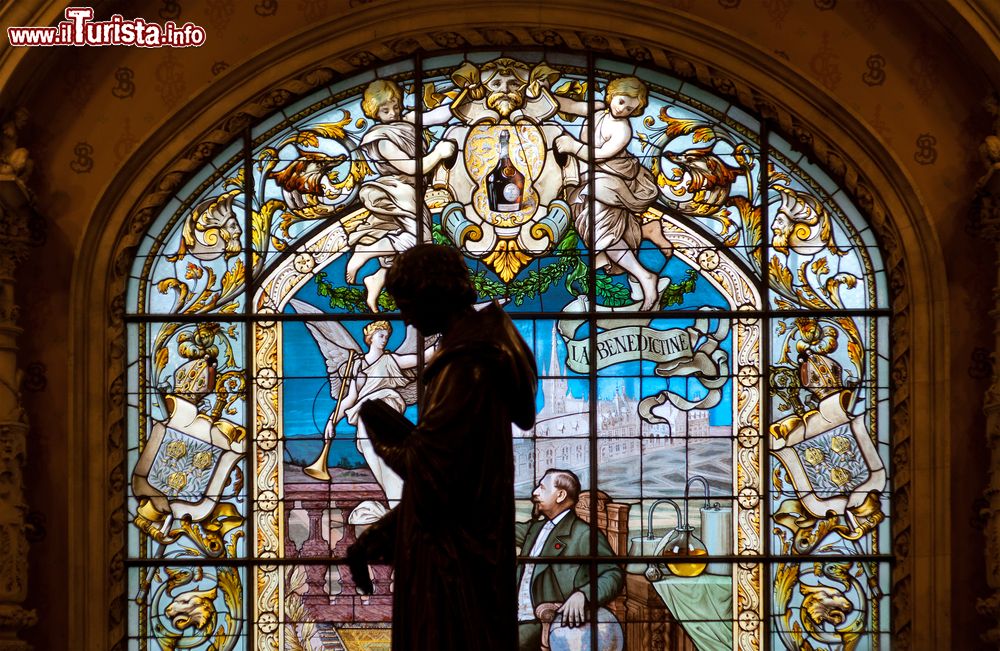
{"x": 357, "y": 564}
{"x": 566, "y": 144}
{"x": 385, "y": 425}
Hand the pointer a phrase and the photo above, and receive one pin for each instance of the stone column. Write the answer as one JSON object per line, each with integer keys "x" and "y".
{"x": 15, "y": 214}
{"x": 985, "y": 219}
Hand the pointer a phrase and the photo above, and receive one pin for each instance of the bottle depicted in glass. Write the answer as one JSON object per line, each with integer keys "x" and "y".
{"x": 683, "y": 542}
{"x": 505, "y": 183}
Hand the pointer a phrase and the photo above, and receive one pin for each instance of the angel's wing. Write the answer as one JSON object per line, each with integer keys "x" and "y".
{"x": 409, "y": 345}
{"x": 334, "y": 341}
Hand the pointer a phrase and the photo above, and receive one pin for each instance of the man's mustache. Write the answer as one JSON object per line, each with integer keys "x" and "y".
{"x": 505, "y": 103}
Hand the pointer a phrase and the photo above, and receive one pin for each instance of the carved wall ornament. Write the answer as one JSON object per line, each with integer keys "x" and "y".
{"x": 124, "y": 83}
{"x": 926, "y": 153}
{"x": 220, "y": 12}
{"x": 170, "y": 9}
{"x": 16, "y": 213}
{"x": 84, "y": 161}
{"x": 170, "y": 79}
{"x": 985, "y": 217}
{"x": 266, "y": 8}
{"x": 875, "y": 75}
{"x": 14, "y": 161}
{"x": 814, "y": 142}
{"x": 981, "y": 364}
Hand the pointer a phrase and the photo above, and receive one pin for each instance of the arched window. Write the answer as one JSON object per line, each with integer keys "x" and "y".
{"x": 692, "y": 287}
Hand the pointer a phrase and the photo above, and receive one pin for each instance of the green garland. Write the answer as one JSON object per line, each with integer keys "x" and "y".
{"x": 568, "y": 268}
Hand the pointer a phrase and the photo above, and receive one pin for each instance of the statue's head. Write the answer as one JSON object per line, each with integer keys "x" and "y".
{"x": 375, "y": 329}
{"x": 800, "y": 223}
{"x": 430, "y": 284}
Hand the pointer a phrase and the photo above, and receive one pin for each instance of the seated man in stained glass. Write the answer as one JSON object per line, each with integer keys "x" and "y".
{"x": 555, "y": 530}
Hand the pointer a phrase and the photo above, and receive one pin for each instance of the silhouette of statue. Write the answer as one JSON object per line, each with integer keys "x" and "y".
{"x": 451, "y": 538}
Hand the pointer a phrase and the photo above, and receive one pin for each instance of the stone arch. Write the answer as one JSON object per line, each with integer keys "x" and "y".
{"x": 793, "y": 106}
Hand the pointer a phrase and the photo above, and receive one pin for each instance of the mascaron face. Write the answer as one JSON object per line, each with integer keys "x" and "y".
{"x": 504, "y": 83}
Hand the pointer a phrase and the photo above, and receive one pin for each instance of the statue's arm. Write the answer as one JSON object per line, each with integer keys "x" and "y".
{"x": 435, "y": 448}
{"x": 388, "y": 430}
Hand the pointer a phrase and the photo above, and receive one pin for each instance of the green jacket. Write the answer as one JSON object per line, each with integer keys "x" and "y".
{"x": 557, "y": 581}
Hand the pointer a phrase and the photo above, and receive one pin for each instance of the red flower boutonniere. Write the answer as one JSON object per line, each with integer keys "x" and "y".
{"x": 558, "y": 545}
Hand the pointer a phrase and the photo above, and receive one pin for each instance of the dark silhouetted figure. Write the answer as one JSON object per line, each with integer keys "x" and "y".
{"x": 451, "y": 539}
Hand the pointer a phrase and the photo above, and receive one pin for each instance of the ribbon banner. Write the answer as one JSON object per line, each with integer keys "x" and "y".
{"x": 689, "y": 352}
{"x": 629, "y": 344}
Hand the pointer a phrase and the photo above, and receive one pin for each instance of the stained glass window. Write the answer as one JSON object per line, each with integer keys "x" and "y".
{"x": 708, "y": 311}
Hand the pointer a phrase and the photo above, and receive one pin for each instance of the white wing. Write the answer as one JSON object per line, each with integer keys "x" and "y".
{"x": 334, "y": 341}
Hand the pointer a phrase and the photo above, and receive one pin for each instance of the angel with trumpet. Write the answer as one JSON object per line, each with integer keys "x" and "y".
{"x": 357, "y": 376}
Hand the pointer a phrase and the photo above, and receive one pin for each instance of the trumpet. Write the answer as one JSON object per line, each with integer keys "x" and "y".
{"x": 319, "y": 468}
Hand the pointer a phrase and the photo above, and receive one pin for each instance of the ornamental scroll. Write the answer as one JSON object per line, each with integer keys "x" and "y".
{"x": 693, "y": 352}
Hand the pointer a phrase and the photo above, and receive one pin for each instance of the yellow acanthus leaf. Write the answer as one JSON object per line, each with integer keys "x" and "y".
{"x": 360, "y": 169}
{"x": 183, "y": 291}
{"x": 235, "y": 181}
{"x": 232, "y": 278}
{"x": 306, "y": 138}
{"x": 703, "y": 134}
{"x": 855, "y": 352}
{"x": 161, "y": 358}
{"x": 332, "y": 130}
{"x": 776, "y": 178}
{"x": 785, "y": 578}
{"x": 776, "y": 480}
{"x": 780, "y": 273}
{"x": 177, "y": 577}
{"x": 831, "y": 291}
{"x": 261, "y": 222}
{"x": 820, "y": 267}
{"x": 232, "y": 592}
{"x": 678, "y": 126}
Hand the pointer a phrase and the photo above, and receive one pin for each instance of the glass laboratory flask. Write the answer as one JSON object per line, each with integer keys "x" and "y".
{"x": 683, "y": 542}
